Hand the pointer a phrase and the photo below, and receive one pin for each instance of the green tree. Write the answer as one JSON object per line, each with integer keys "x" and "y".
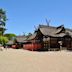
{"x": 3, "y": 19}
{"x": 3, "y": 40}
{"x": 10, "y": 36}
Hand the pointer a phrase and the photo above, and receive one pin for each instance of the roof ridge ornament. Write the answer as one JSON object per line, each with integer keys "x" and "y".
{"x": 48, "y": 22}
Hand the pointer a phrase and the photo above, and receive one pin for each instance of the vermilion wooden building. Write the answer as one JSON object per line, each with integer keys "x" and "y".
{"x": 46, "y": 38}
{"x": 50, "y": 38}
{"x": 33, "y": 43}
{"x": 20, "y": 40}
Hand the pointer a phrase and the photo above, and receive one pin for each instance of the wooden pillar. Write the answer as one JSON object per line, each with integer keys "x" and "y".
{"x": 70, "y": 43}
{"x": 49, "y": 42}
{"x": 32, "y": 45}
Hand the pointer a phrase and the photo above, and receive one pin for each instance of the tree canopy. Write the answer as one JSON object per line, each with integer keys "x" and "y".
{"x": 3, "y": 15}
{"x": 3, "y": 40}
{"x": 10, "y": 36}
{"x": 3, "y": 19}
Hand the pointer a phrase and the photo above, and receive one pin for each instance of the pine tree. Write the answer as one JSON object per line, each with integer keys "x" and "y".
{"x": 2, "y": 21}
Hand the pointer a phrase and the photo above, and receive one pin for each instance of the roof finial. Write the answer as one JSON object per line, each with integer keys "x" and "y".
{"x": 48, "y": 21}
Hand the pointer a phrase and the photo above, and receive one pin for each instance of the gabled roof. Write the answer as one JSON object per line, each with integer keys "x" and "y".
{"x": 21, "y": 39}
{"x": 54, "y": 31}
{"x": 32, "y": 36}
{"x": 47, "y": 30}
{"x": 69, "y": 32}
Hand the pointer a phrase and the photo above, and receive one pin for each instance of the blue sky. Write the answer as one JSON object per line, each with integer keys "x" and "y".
{"x": 23, "y": 15}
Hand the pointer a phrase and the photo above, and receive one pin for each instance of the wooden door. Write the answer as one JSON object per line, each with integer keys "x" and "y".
{"x": 67, "y": 42}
